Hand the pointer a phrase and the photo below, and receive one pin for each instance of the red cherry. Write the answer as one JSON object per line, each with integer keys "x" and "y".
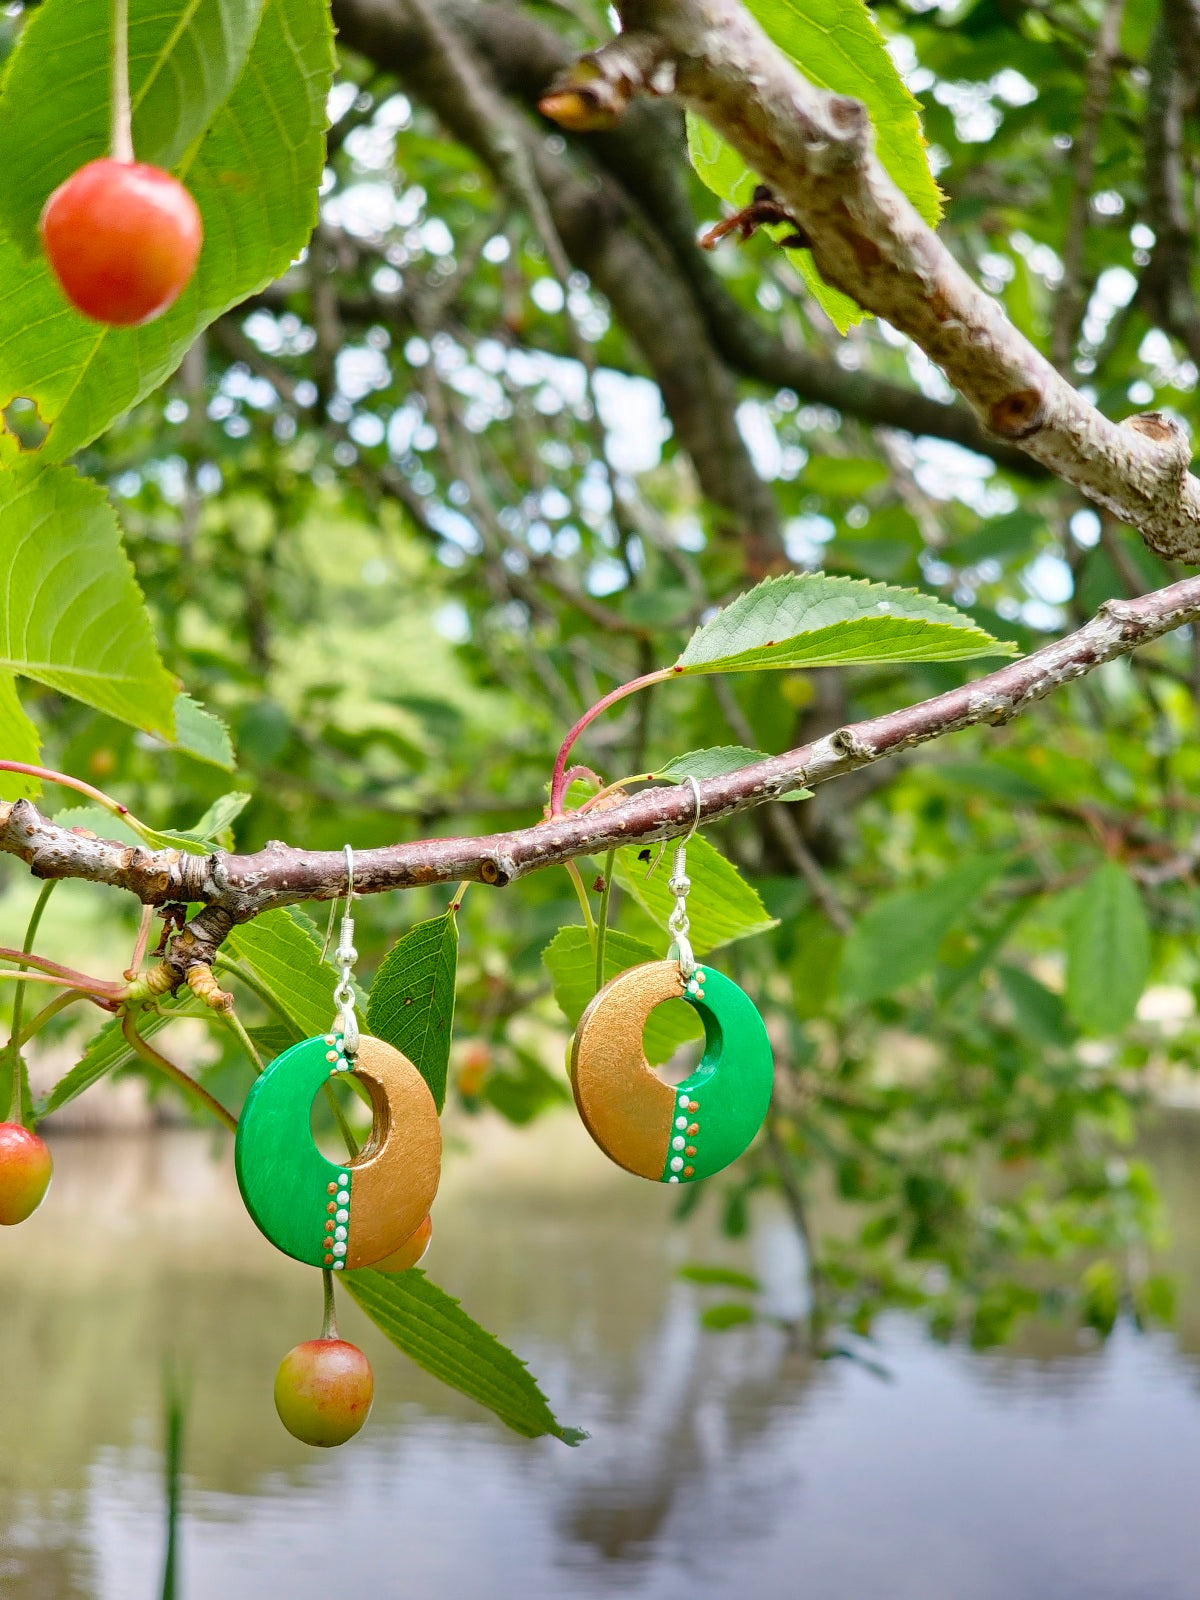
{"x": 122, "y": 238}
{"x": 25, "y": 1168}
{"x": 323, "y": 1391}
{"x": 410, "y": 1252}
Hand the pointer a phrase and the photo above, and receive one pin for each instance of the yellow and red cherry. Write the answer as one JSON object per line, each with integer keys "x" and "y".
{"x": 410, "y": 1252}
{"x": 25, "y": 1168}
{"x": 323, "y": 1391}
{"x": 122, "y": 238}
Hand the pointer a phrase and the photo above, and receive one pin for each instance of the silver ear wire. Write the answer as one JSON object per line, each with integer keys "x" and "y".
{"x": 346, "y": 955}
{"x": 679, "y": 885}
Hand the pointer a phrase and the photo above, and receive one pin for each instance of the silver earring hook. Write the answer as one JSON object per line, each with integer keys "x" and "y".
{"x": 686, "y": 840}
{"x": 679, "y": 886}
{"x": 346, "y": 955}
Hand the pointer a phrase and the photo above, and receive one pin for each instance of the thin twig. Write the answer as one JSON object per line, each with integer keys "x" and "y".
{"x": 178, "y": 1077}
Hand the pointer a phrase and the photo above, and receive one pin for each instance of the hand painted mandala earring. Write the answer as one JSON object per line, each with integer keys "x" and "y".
{"x": 672, "y": 1135}
{"x": 357, "y": 1212}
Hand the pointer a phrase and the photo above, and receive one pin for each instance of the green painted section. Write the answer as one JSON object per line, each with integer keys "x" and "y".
{"x": 732, "y": 1084}
{"x": 283, "y": 1177}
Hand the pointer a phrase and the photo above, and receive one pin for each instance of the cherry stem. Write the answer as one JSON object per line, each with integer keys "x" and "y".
{"x": 329, "y": 1327}
{"x": 122, "y": 112}
{"x": 176, "y": 1074}
{"x": 560, "y": 780}
{"x": 602, "y": 917}
{"x": 14, "y": 1038}
{"x": 581, "y": 894}
{"x": 38, "y": 1022}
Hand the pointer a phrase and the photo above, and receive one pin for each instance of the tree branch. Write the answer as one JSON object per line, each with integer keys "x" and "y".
{"x": 816, "y": 152}
{"x": 236, "y": 888}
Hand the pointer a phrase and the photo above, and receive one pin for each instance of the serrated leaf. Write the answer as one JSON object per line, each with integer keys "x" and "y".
{"x": 1108, "y": 951}
{"x": 254, "y": 176}
{"x": 814, "y": 620}
{"x": 283, "y": 953}
{"x": 19, "y": 741}
{"x": 412, "y": 998}
{"x": 722, "y": 906}
{"x": 726, "y": 1277}
{"x": 571, "y": 963}
{"x": 72, "y": 615}
{"x": 898, "y": 939}
{"x": 212, "y": 829}
{"x": 184, "y": 59}
{"x": 202, "y": 734}
{"x": 837, "y": 46}
{"x": 110, "y": 1050}
{"x": 711, "y": 763}
{"x": 432, "y": 1329}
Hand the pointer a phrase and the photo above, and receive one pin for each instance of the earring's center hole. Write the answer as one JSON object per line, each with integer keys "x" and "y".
{"x": 342, "y": 1104}
{"x": 673, "y": 1040}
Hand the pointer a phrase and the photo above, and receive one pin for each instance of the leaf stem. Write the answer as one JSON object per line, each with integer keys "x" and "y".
{"x": 329, "y": 1327}
{"x": 558, "y": 784}
{"x": 48, "y": 775}
{"x": 121, "y": 148}
{"x": 75, "y": 980}
{"x": 602, "y": 919}
{"x": 589, "y": 920}
{"x": 244, "y": 1039}
{"x": 176, "y": 1074}
{"x": 39, "y": 1021}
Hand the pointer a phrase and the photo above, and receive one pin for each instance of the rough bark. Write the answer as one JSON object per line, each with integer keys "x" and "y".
{"x": 816, "y": 152}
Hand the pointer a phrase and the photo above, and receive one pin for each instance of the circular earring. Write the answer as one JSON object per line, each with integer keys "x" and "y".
{"x": 689, "y": 1132}
{"x": 353, "y": 1213}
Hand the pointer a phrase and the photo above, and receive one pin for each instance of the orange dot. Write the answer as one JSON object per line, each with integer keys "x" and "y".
{"x": 331, "y": 1188}
{"x": 690, "y": 1151}
{"x": 693, "y": 1129}
{"x": 329, "y": 1226}
{"x": 689, "y": 1172}
{"x": 332, "y": 1206}
{"x": 328, "y": 1261}
{"x": 693, "y": 1105}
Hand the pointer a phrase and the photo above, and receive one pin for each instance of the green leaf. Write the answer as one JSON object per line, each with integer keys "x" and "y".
{"x": 722, "y": 906}
{"x": 1108, "y": 951}
{"x": 280, "y": 950}
{"x": 726, "y": 1277}
{"x": 433, "y": 1330}
{"x": 19, "y": 741}
{"x": 1039, "y": 1013}
{"x": 412, "y": 998}
{"x": 523, "y": 1095}
{"x": 898, "y": 939}
{"x": 72, "y": 615}
{"x": 730, "y": 1314}
{"x": 201, "y": 734}
{"x": 254, "y": 176}
{"x": 94, "y": 819}
{"x": 110, "y": 1050}
{"x": 184, "y": 59}
{"x": 837, "y": 46}
{"x": 814, "y": 620}
{"x": 714, "y": 763}
{"x": 571, "y": 963}
{"x": 213, "y": 828}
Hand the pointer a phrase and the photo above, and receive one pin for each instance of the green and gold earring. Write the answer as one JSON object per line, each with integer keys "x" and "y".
{"x": 680, "y": 1134}
{"x": 339, "y": 1214}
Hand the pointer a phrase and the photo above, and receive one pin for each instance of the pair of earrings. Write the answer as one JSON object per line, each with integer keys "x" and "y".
{"x": 361, "y": 1212}
{"x": 356, "y": 1213}
{"x": 680, "y": 1134}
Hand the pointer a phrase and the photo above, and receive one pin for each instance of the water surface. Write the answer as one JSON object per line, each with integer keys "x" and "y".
{"x": 719, "y": 1465}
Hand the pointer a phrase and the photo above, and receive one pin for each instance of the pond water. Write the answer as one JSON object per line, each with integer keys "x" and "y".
{"x": 719, "y": 1465}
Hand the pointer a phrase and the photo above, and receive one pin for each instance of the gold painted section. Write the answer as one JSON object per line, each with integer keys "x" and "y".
{"x": 395, "y": 1176}
{"x": 625, "y": 1106}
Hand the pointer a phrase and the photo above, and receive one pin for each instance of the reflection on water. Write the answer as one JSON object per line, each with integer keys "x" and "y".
{"x": 718, "y": 1465}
